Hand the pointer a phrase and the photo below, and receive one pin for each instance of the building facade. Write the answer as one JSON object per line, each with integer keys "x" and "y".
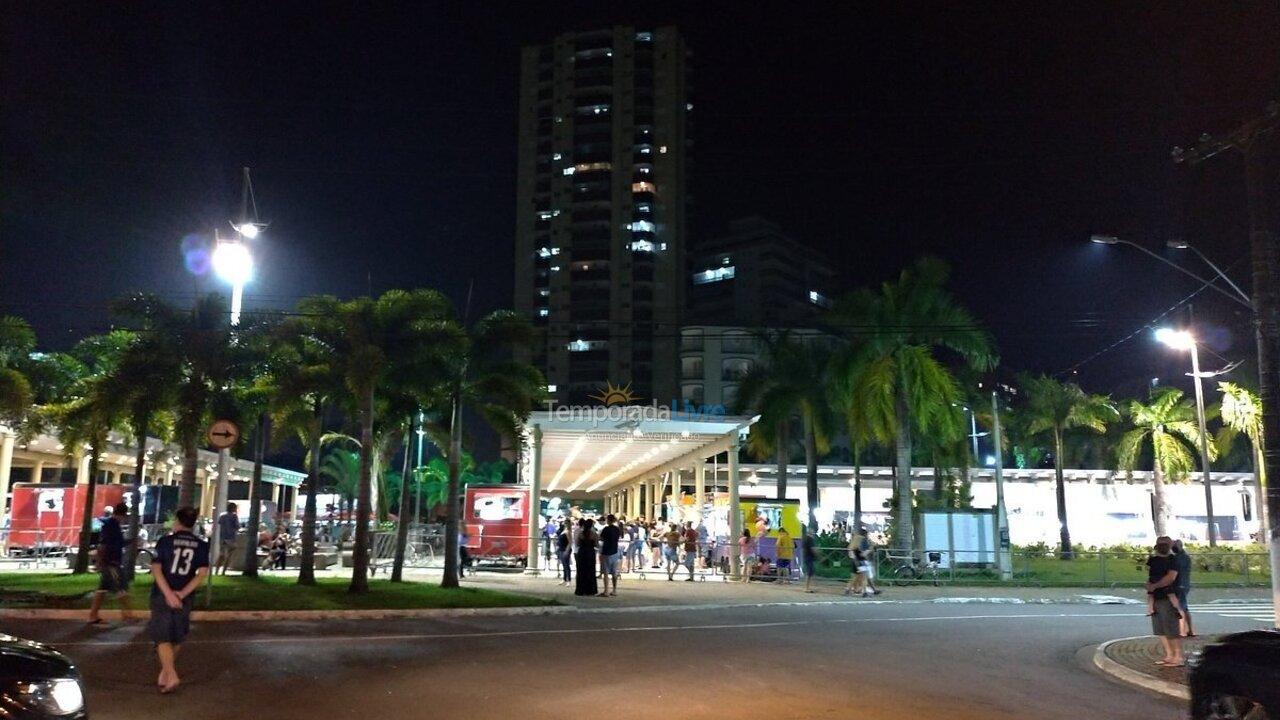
{"x": 601, "y": 193}
{"x": 758, "y": 276}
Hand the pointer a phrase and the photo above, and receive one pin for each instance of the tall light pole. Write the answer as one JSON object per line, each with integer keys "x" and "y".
{"x": 1238, "y": 296}
{"x": 1005, "y": 557}
{"x": 1184, "y": 340}
{"x": 233, "y": 263}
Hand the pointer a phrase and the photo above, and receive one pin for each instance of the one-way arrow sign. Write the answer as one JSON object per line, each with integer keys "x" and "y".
{"x": 222, "y": 434}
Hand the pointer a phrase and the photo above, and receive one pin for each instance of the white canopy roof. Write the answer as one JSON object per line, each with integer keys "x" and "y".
{"x": 587, "y": 455}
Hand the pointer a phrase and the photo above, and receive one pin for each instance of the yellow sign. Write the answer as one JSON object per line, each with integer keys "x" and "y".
{"x": 611, "y": 395}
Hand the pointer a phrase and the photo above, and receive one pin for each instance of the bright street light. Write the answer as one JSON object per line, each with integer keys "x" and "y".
{"x": 248, "y": 230}
{"x": 233, "y": 263}
{"x": 1184, "y": 340}
{"x": 1176, "y": 339}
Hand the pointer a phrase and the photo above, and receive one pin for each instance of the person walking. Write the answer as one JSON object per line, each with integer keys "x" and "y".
{"x": 180, "y": 565}
{"x": 110, "y": 558}
{"x": 655, "y": 544}
{"x": 228, "y": 529}
{"x": 610, "y": 554}
{"x": 635, "y": 546}
{"x": 586, "y": 547}
{"x": 746, "y": 553}
{"x": 690, "y": 548}
{"x": 1165, "y": 618}
{"x": 786, "y": 552}
{"x": 1182, "y": 564}
{"x": 808, "y": 557}
{"x": 564, "y": 550}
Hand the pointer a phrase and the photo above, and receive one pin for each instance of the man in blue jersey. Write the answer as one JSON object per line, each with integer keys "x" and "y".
{"x": 110, "y": 557}
{"x": 180, "y": 566}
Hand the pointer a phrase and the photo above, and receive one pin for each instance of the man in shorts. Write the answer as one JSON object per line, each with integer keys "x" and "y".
{"x": 110, "y": 559}
{"x": 690, "y": 548}
{"x": 180, "y": 566}
{"x": 228, "y": 528}
{"x": 610, "y": 554}
{"x": 671, "y": 549}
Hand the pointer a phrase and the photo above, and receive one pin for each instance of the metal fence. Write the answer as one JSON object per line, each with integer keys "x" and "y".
{"x": 1091, "y": 568}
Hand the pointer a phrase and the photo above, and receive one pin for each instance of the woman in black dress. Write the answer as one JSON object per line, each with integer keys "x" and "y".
{"x": 586, "y": 541}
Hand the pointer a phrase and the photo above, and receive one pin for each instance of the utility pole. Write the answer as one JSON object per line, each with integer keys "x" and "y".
{"x": 1264, "y": 248}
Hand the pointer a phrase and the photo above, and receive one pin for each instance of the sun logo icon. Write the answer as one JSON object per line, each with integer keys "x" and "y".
{"x": 611, "y": 395}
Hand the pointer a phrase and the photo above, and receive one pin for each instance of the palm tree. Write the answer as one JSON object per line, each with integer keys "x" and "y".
{"x": 1242, "y": 412}
{"x": 16, "y": 343}
{"x": 485, "y": 377}
{"x": 1168, "y": 425}
{"x": 898, "y": 389}
{"x": 342, "y": 468}
{"x": 1056, "y": 407}
{"x": 398, "y": 339}
{"x": 204, "y": 337}
{"x": 88, "y": 414}
{"x": 769, "y": 390}
{"x": 306, "y": 385}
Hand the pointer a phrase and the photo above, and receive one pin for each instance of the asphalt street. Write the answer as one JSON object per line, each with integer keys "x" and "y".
{"x": 835, "y": 659}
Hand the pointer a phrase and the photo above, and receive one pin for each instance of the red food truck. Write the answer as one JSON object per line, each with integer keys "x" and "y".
{"x": 46, "y": 517}
{"x": 497, "y": 523}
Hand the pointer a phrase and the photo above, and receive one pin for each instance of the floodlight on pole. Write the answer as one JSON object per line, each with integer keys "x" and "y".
{"x": 1184, "y": 340}
{"x": 234, "y": 264}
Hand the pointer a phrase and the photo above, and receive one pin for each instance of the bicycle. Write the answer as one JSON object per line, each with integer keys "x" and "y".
{"x": 910, "y": 570}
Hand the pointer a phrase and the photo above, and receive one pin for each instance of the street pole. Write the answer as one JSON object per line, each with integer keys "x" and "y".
{"x": 417, "y": 482}
{"x": 1204, "y": 445}
{"x": 1004, "y": 557}
{"x": 1264, "y": 251}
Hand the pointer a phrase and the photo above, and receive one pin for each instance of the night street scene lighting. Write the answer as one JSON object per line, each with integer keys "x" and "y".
{"x": 570, "y": 336}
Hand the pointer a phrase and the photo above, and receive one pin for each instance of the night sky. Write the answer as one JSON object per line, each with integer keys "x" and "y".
{"x": 383, "y": 148}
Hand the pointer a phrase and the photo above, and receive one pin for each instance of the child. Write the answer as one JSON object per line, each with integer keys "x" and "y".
{"x": 1158, "y": 566}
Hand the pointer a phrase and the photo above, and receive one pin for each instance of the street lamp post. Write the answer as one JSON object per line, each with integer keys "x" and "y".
{"x": 1184, "y": 340}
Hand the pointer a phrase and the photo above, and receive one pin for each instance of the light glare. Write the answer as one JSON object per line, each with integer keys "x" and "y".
{"x": 1176, "y": 339}
{"x": 233, "y": 263}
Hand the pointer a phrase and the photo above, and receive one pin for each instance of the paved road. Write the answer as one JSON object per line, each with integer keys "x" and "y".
{"x": 837, "y": 660}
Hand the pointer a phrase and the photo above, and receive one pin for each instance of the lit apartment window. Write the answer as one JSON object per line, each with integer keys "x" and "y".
{"x": 551, "y": 388}
{"x": 589, "y": 167}
{"x": 642, "y": 246}
{"x": 544, "y": 312}
{"x": 581, "y": 345}
{"x": 557, "y": 156}
{"x": 593, "y": 109}
{"x": 710, "y": 276}
{"x": 642, "y": 226}
{"x": 663, "y": 150}
{"x": 819, "y": 299}
{"x": 548, "y": 214}
{"x": 569, "y": 170}
{"x": 546, "y": 252}
{"x": 544, "y": 292}
{"x": 644, "y": 208}
{"x": 644, "y": 37}
{"x": 643, "y": 187}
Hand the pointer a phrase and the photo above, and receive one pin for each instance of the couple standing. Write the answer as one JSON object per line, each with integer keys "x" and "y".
{"x": 1168, "y": 584}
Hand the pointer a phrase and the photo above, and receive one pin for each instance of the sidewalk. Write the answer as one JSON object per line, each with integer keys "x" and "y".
{"x": 1133, "y": 661}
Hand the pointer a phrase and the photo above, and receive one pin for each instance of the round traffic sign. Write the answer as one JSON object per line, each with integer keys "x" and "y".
{"x": 223, "y": 434}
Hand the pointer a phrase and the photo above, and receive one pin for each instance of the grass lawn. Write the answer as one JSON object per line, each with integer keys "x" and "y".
{"x": 28, "y": 590}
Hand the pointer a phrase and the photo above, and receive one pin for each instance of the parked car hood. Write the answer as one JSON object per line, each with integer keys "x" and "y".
{"x": 28, "y": 660}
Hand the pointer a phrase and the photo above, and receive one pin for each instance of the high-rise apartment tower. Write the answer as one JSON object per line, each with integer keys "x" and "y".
{"x": 600, "y": 220}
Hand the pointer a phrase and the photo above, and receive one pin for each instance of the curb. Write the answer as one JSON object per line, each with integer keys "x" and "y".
{"x": 299, "y": 615}
{"x": 1130, "y": 676}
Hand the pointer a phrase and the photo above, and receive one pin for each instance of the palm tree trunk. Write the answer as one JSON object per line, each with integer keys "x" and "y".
{"x": 364, "y": 499}
{"x": 1259, "y": 495}
{"x": 190, "y": 459}
{"x": 307, "y": 562}
{"x": 135, "y": 493}
{"x": 857, "y": 488}
{"x": 1065, "y": 551}
{"x": 904, "y": 529}
{"x": 781, "y": 450}
{"x": 86, "y": 523}
{"x": 402, "y": 529}
{"x": 255, "y": 499}
{"x": 451, "y": 560}
{"x": 1160, "y": 511}
{"x": 811, "y": 468}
